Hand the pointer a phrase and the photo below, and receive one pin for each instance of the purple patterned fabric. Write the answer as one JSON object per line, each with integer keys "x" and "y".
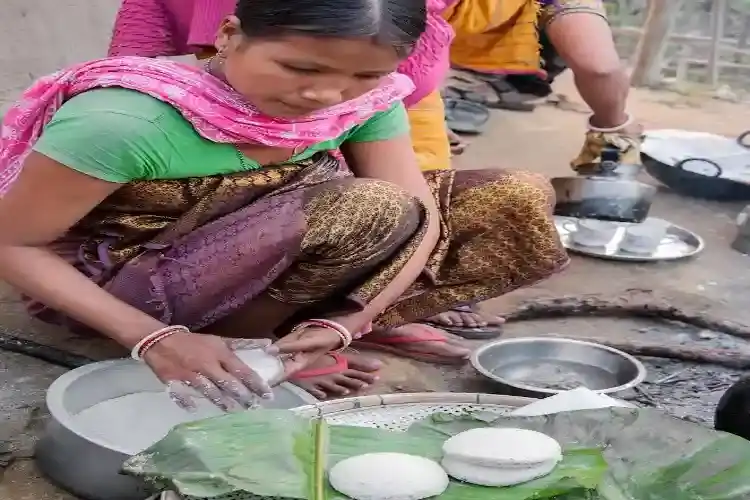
{"x": 257, "y": 250}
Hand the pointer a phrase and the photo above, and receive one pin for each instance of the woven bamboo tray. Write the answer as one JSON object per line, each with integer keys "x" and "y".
{"x": 395, "y": 412}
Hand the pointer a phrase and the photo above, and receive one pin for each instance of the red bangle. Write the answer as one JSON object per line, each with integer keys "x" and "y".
{"x": 150, "y": 340}
{"x": 343, "y": 333}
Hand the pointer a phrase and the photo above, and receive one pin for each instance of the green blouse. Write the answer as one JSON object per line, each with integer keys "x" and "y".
{"x": 121, "y": 135}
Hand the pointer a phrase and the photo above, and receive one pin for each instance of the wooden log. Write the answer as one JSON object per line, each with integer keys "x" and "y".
{"x": 718, "y": 14}
{"x": 46, "y": 353}
{"x": 692, "y": 354}
{"x": 743, "y": 41}
{"x": 647, "y": 307}
{"x": 737, "y": 51}
{"x": 723, "y": 64}
{"x": 683, "y": 55}
{"x": 587, "y": 306}
{"x": 653, "y": 43}
{"x": 676, "y": 38}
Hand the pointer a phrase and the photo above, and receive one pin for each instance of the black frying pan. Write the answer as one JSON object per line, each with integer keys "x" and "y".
{"x": 744, "y": 139}
{"x": 706, "y": 186}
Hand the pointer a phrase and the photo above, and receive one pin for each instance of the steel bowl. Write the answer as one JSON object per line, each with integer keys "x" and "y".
{"x": 542, "y": 366}
{"x": 81, "y": 463}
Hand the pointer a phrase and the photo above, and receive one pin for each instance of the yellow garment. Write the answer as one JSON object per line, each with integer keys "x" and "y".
{"x": 428, "y": 133}
{"x": 591, "y": 152}
{"x": 495, "y": 35}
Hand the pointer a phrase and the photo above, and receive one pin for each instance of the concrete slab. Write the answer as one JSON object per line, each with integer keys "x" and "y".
{"x": 23, "y": 481}
{"x": 22, "y": 416}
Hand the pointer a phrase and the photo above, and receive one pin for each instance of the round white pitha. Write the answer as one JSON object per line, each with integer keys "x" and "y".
{"x": 502, "y": 447}
{"x": 494, "y": 476}
{"x": 388, "y": 476}
{"x": 500, "y": 457}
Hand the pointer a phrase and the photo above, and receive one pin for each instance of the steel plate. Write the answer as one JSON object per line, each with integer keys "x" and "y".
{"x": 680, "y": 243}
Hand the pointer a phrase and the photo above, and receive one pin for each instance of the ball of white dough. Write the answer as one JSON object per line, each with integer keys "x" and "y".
{"x": 503, "y": 447}
{"x": 388, "y": 476}
{"x": 268, "y": 367}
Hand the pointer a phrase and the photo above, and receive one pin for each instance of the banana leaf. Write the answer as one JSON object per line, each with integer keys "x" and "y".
{"x": 650, "y": 455}
{"x": 273, "y": 453}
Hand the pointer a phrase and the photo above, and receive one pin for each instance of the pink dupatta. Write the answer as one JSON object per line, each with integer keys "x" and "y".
{"x": 215, "y": 110}
{"x": 151, "y": 28}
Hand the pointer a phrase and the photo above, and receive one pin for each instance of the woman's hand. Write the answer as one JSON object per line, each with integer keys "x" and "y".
{"x": 631, "y": 128}
{"x": 206, "y": 364}
{"x": 626, "y": 139}
{"x": 302, "y": 348}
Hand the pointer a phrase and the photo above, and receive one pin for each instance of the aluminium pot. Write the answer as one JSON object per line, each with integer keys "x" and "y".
{"x": 603, "y": 198}
{"x": 611, "y": 192}
{"x": 77, "y": 461}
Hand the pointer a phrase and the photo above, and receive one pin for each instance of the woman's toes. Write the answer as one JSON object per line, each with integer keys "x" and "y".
{"x": 471, "y": 320}
{"x": 333, "y": 388}
{"x": 495, "y": 320}
{"x": 351, "y": 382}
{"x": 360, "y": 374}
{"x": 312, "y": 389}
{"x": 366, "y": 364}
{"x": 360, "y": 378}
{"x": 448, "y": 318}
{"x": 466, "y": 319}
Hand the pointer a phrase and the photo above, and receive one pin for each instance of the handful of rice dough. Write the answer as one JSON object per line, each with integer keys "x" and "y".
{"x": 269, "y": 368}
{"x": 500, "y": 457}
{"x": 388, "y": 476}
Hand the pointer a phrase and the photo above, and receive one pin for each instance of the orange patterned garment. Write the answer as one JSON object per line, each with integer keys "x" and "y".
{"x": 501, "y": 36}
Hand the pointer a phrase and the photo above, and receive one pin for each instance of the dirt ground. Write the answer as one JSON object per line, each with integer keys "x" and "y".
{"x": 544, "y": 141}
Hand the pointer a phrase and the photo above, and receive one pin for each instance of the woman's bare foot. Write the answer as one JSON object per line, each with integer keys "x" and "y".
{"x": 466, "y": 317}
{"x": 458, "y": 146}
{"x": 352, "y": 375}
{"x": 417, "y": 341}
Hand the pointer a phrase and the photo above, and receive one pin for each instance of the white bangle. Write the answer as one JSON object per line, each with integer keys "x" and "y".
{"x": 341, "y": 330}
{"x": 627, "y": 123}
{"x": 150, "y": 340}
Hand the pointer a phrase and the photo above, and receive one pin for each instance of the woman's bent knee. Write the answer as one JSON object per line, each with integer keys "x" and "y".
{"x": 530, "y": 187}
{"x": 354, "y": 227}
{"x": 359, "y": 213}
{"x": 490, "y": 190}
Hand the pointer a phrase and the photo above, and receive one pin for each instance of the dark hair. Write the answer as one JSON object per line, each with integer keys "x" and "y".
{"x": 398, "y": 23}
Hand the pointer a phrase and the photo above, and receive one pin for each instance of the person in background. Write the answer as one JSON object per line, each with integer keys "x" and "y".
{"x": 502, "y": 38}
{"x": 213, "y": 205}
{"x": 165, "y": 28}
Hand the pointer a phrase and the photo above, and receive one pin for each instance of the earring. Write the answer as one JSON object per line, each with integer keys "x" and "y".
{"x": 215, "y": 66}
{"x": 216, "y": 62}
{"x": 221, "y": 57}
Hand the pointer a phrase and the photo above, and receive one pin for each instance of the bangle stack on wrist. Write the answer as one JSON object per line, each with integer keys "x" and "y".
{"x": 628, "y": 121}
{"x": 343, "y": 333}
{"x": 139, "y": 350}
